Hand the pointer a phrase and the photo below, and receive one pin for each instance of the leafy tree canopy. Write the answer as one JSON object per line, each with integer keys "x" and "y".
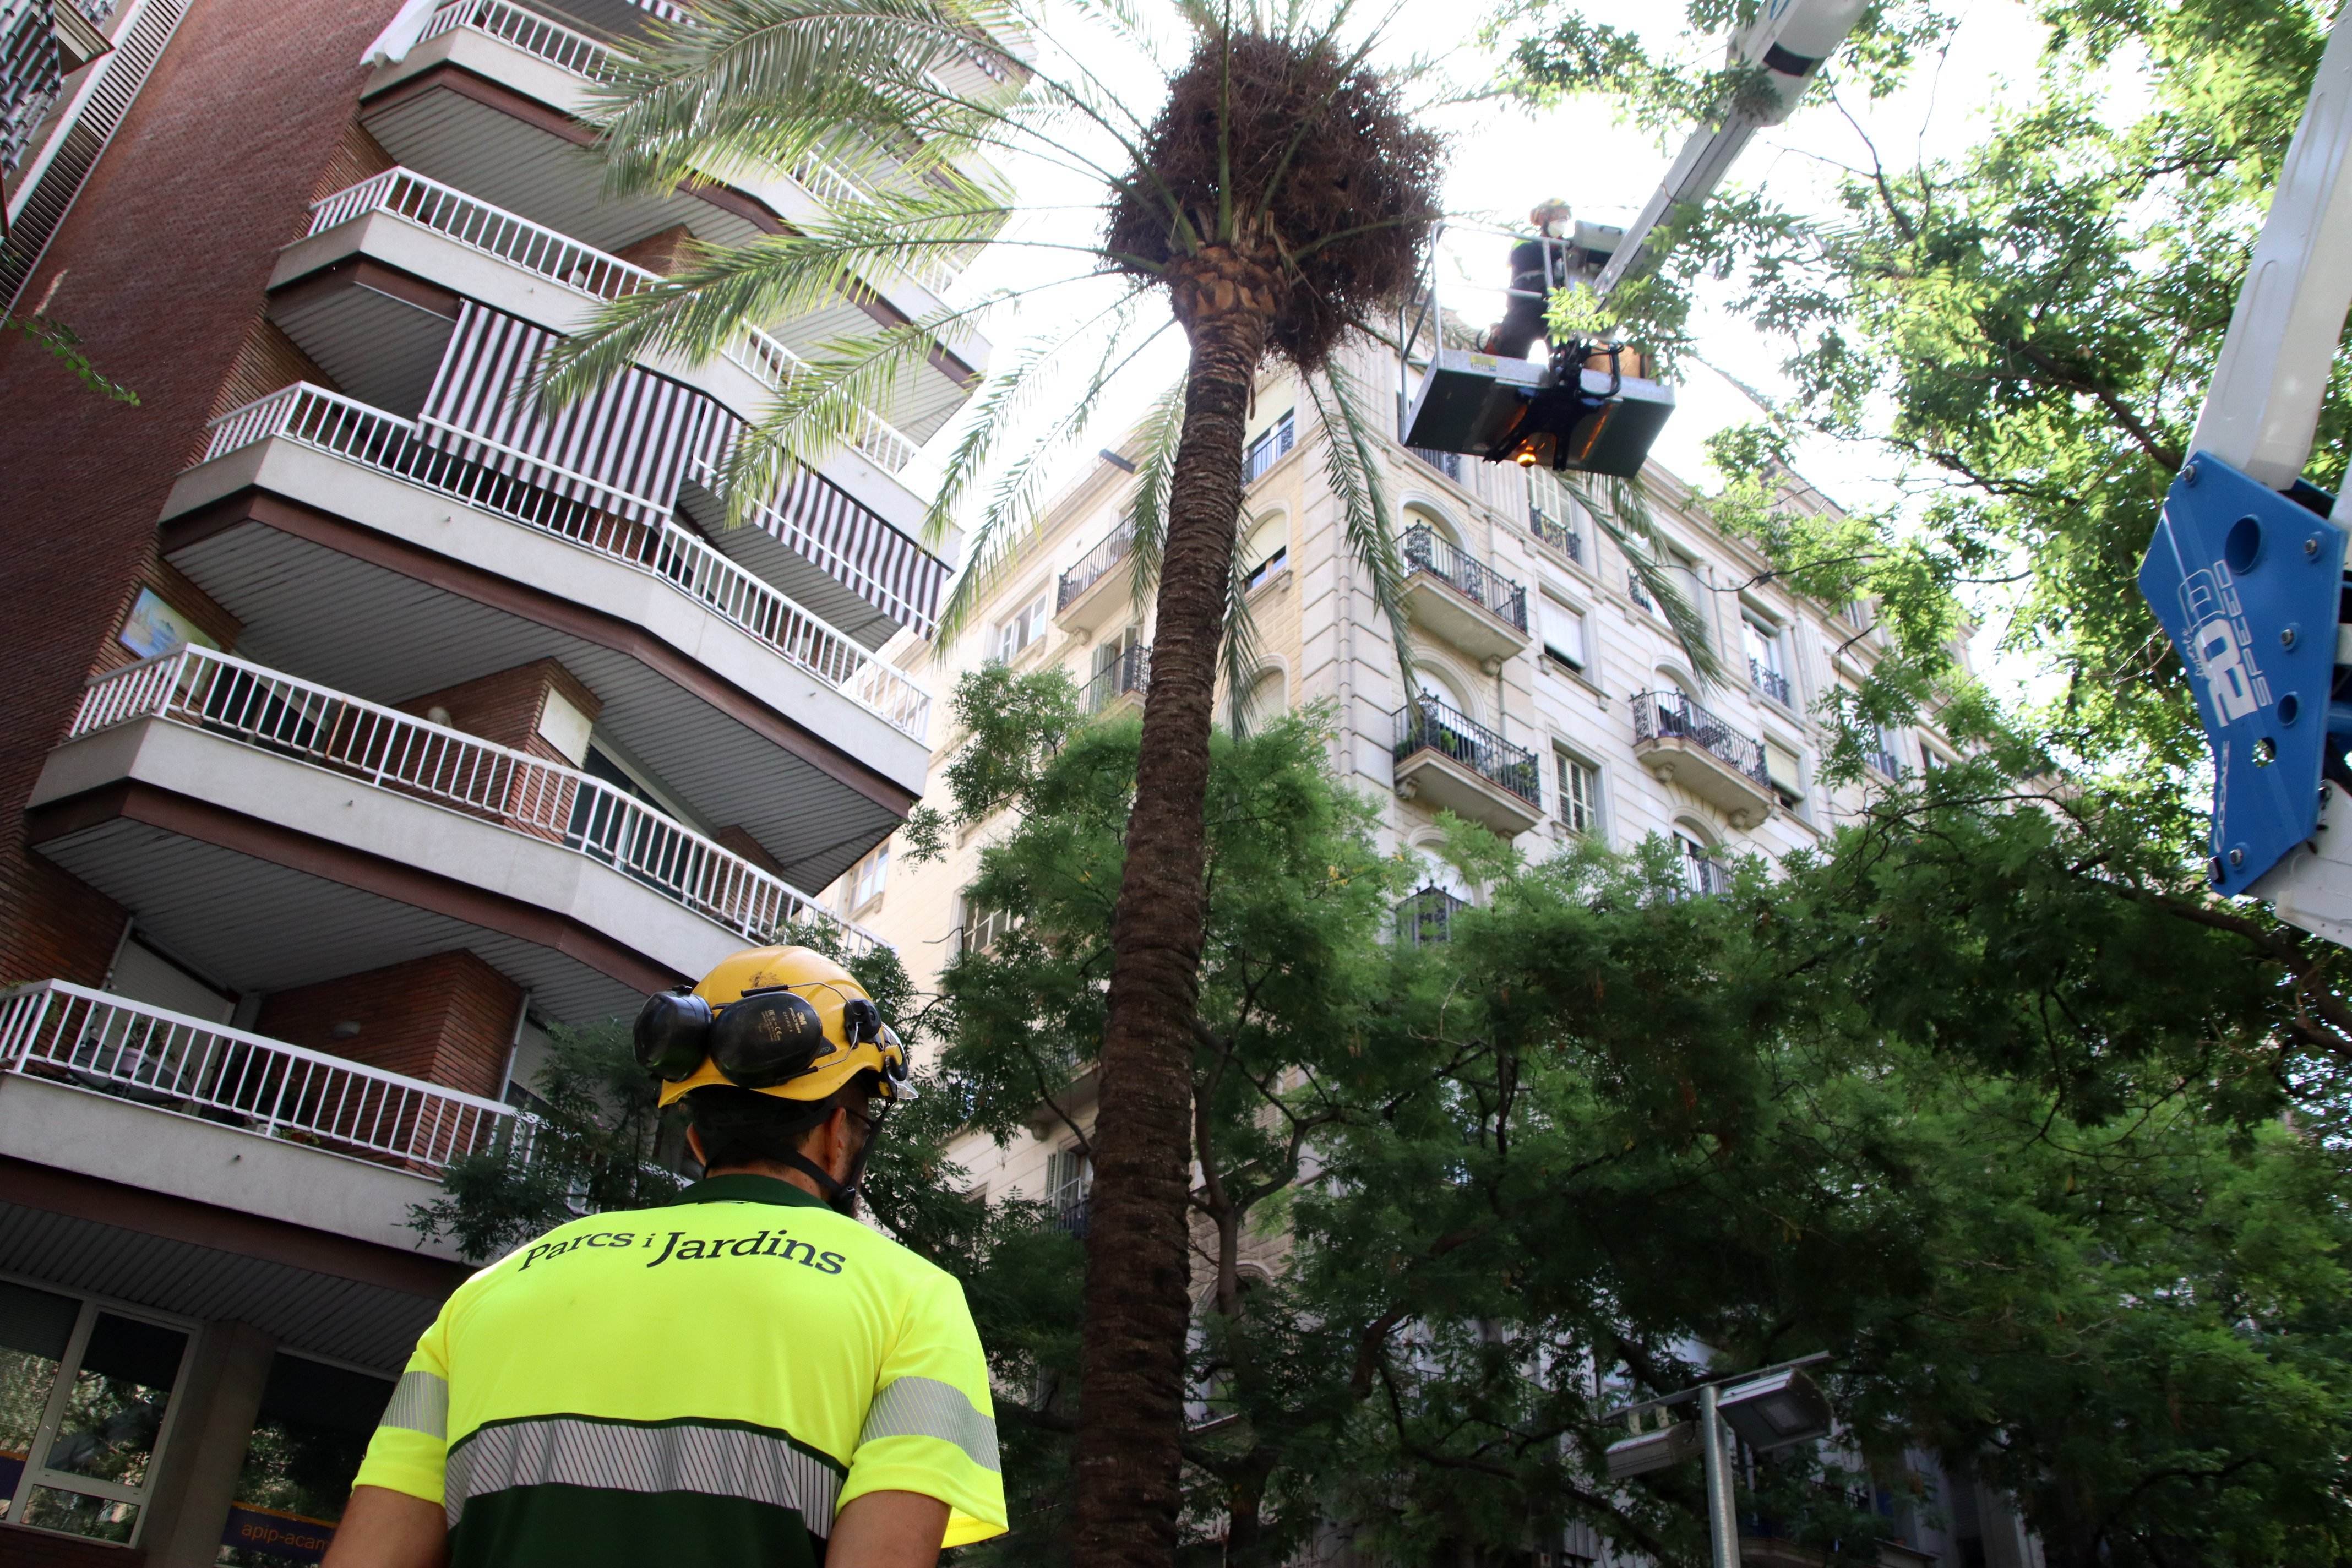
{"x": 2024, "y": 330}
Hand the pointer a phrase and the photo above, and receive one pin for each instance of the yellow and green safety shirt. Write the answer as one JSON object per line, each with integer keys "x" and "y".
{"x": 704, "y": 1384}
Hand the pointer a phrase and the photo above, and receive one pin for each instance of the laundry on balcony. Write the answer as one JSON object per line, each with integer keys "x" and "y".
{"x": 624, "y": 447}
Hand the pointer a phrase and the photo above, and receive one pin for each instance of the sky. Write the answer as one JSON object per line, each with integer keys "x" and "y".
{"x": 1506, "y": 159}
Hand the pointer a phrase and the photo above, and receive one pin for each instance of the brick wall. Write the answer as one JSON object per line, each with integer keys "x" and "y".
{"x": 266, "y": 360}
{"x": 448, "y": 1018}
{"x": 357, "y": 155}
{"x": 161, "y": 267}
{"x": 172, "y": 586}
{"x": 663, "y": 252}
{"x": 505, "y": 706}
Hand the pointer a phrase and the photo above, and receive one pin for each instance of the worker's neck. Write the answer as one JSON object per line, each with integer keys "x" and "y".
{"x": 770, "y": 1168}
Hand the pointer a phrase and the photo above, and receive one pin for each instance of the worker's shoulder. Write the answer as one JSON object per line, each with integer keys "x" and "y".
{"x": 886, "y": 1256}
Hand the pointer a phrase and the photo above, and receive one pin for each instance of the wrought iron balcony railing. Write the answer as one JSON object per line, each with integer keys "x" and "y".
{"x": 1769, "y": 681}
{"x": 1091, "y": 566}
{"x": 1426, "y": 551}
{"x": 404, "y": 755}
{"x": 1428, "y": 723}
{"x": 1427, "y": 916}
{"x": 1130, "y": 671}
{"x": 1446, "y": 463}
{"x": 1549, "y": 531}
{"x": 1071, "y": 1216}
{"x": 1670, "y": 715}
{"x": 1636, "y": 592}
{"x": 565, "y": 261}
{"x": 332, "y": 423}
{"x": 169, "y": 1061}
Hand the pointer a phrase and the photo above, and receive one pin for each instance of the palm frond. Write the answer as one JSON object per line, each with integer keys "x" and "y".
{"x": 1242, "y": 651}
{"x": 1161, "y": 432}
{"x": 1351, "y": 468}
{"x": 1626, "y": 519}
{"x": 1009, "y": 516}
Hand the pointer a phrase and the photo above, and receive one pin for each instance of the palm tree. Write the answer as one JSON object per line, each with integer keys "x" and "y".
{"x": 1275, "y": 191}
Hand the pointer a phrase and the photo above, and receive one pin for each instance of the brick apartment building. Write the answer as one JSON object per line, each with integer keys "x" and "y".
{"x": 361, "y": 719}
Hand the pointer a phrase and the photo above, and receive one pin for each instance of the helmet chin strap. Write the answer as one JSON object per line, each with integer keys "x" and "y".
{"x": 842, "y": 1196}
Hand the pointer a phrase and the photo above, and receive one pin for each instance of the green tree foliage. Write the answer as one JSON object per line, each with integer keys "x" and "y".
{"x": 1292, "y": 960}
{"x": 2046, "y": 1150}
{"x": 2025, "y": 328}
{"x": 1967, "y": 1099}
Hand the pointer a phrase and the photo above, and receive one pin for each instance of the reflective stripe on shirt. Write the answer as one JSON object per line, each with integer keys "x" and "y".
{"x": 631, "y": 1457}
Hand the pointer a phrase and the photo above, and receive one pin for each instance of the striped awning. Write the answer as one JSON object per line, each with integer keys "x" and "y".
{"x": 628, "y": 446}
{"x": 818, "y": 519}
{"x": 622, "y": 447}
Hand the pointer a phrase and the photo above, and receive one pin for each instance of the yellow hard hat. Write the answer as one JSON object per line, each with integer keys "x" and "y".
{"x": 785, "y": 1021}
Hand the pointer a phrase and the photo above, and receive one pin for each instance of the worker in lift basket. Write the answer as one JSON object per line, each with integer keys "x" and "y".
{"x": 1522, "y": 326}
{"x": 747, "y": 1375}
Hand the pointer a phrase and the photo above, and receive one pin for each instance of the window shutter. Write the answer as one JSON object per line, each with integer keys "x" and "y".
{"x": 1782, "y": 767}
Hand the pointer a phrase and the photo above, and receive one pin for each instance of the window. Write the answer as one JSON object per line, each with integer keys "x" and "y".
{"x": 308, "y": 1439}
{"x": 1888, "y": 758}
{"x": 1579, "y": 794}
{"x": 1785, "y": 770}
{"x": 1266, "y": 551}
{"x": 872, "y": 873}
{"x": 1069, "y": 1178}
{"x": 1427, "y": 916}
{"x": 1268, "y": 699}
{"x": 1702, "y": 872}
{"x": 85, "y": 1401}
{"x": 1766, "y": 673}
{"x": 1269, "y": 447}
{"x": 1563, "y": 632}
{"x": 983, "y": 928}
{"x": 1021, "y": 629}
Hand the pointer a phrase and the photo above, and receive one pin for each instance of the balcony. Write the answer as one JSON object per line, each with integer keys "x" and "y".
{"x": 1427, "y": 917}
{"x": 1685, "y": 744}
{"x": 1445, "y": 761}
{"x": 1556, "y": 535}
{"x": 167, "y": 1061}
{"x": 352, "y": 551}
{"x": 1770, "y": 681}
{"x": 1476, "y": 609}
{"x": 275, "y": 832}
{"x": 1121, "y": 686}
{"x": 346, "y": 294}
{"x": 494, "y": 97}
{"x": 1092, "y": 594}
{"x": 1446, "y": 463}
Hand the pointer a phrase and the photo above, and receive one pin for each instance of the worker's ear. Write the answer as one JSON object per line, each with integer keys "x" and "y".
{"x": 694, "y": 1145}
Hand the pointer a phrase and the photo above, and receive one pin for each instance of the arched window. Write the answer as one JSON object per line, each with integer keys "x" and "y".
{"x": 1703, "y": 869}
{"x": 1268, "y": 699}
{"x": 1419, "y": 516}
{"x": 1439, "y": 684}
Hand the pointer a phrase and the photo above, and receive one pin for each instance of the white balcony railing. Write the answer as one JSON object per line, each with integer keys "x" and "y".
{"x": 330, "y": 422}
{"x": 512, "y": 790}
{"x": 565, "y": 261}
{"x": 583, "y": 56}
{"x": 170, "y": 1061}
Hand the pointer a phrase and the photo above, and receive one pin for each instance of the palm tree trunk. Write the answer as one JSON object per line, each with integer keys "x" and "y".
{"x": 1137, "y": 1305}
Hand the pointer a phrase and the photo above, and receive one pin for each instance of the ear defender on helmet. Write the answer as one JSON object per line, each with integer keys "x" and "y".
{"x": 672, "y": 1033}
{"x": 767, "y": 1038}
{"x": 861, "y": 1020}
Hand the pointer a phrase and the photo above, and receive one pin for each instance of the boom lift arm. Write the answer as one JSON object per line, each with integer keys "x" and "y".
{"x": 1593, "y": 407}
{"x": 2246, "y": 570}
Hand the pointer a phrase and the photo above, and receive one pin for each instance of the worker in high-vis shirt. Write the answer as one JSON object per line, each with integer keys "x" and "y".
{"x": 747, "y": 1375}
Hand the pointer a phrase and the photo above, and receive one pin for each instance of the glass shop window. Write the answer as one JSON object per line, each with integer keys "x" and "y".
{"x": 308, "y": 1440}
{"x": 85, "y": 1400}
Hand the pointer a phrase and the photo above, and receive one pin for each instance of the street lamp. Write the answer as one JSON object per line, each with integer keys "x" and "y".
{"x": 1769, "y": 1408}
